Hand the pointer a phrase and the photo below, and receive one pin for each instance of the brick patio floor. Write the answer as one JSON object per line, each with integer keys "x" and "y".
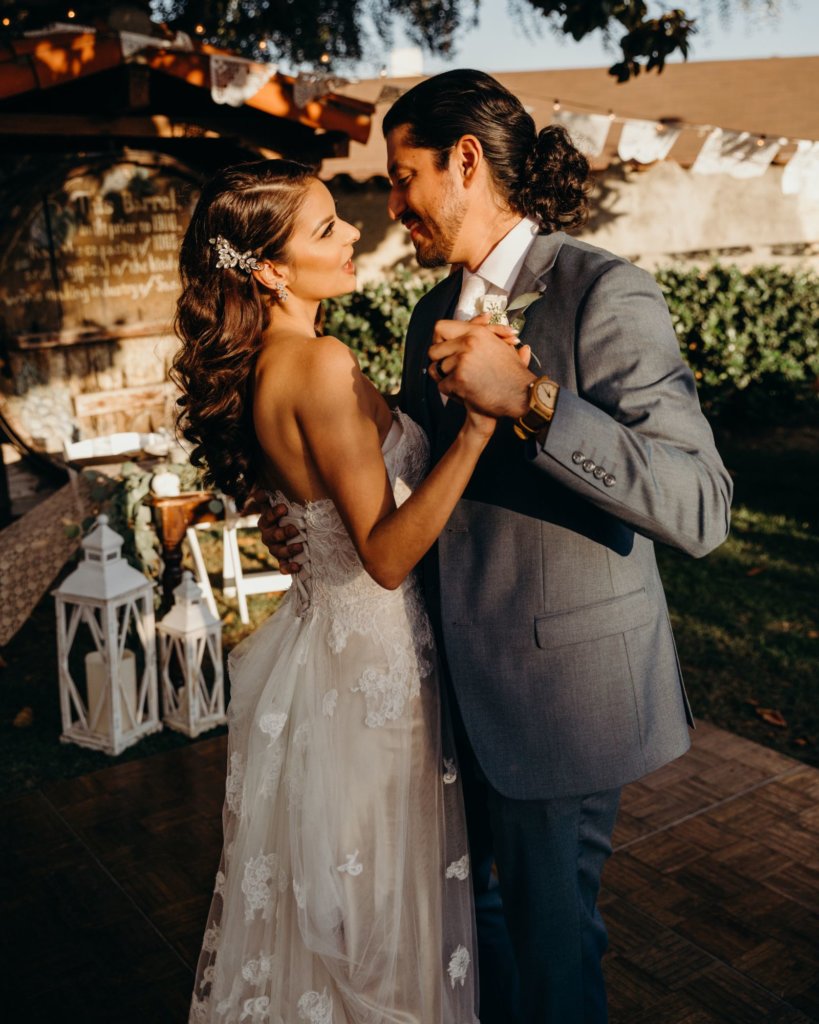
{"x": 711, "y": 896}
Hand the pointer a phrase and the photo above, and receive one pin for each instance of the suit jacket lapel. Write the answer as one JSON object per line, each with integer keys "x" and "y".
{"x": 534, "y": 277}
{"x": 441, "y": 309}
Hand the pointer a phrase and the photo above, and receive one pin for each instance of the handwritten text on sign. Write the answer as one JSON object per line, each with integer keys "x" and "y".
{"x": 98, "y": 255}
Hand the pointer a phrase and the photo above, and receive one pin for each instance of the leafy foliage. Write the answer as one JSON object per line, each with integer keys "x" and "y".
{"x": 751, "y": 337}
{"x": 373, "y": 322}
{"x": 121, "y": 498}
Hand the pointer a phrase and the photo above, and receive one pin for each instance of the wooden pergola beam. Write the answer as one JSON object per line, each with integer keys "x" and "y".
{"x": 30, "y": 64}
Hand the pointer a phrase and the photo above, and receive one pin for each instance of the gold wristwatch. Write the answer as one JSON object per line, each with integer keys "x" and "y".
{"x": 543, "y": 394}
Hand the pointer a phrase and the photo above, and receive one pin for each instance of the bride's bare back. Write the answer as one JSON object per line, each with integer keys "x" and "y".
{"x": 292, "y": 372}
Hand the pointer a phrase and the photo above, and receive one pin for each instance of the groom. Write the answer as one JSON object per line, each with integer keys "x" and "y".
{"x": 562, "y": 675}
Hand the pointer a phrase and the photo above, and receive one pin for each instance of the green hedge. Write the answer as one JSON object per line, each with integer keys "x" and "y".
{"x": 373, "y": 322}
{"x": 751, "y": 337}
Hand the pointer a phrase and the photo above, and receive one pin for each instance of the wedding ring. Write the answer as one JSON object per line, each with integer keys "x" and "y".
{"x": 439, "y": 366}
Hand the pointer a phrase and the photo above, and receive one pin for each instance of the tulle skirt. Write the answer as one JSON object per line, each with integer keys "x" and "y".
{"x": 343, "y": 895}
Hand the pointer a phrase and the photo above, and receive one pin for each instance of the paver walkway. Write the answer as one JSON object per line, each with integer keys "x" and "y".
{"x": 711, "y": 896}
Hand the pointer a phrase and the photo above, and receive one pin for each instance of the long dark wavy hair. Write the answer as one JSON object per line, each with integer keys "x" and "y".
{"x": 538, "y": 174}
{"x": 223, "y": 312}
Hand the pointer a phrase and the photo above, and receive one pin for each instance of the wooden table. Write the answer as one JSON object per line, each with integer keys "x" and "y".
{"x": 172, "y": 517}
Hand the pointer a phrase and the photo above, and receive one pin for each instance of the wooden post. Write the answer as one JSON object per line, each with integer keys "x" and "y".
{"x": 172, "y": 516}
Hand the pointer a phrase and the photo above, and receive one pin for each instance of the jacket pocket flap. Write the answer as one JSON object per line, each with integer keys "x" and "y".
{"x": 593, "y": 621}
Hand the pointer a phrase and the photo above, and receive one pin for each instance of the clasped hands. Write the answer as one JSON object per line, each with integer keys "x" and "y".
{"x": 474, "y": 362}
{"x": 482, "y": 365}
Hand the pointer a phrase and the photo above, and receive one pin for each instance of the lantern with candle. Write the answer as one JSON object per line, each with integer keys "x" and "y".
{"x": 118, "y": 701}
{"x": 190, "y": 659}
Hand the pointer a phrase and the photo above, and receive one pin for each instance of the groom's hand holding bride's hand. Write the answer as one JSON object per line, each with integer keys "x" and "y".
{"x": 479, "y": 363}
{"x": 274, "y": 537}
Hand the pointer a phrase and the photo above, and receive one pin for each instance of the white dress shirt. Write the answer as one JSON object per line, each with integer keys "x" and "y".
{"x": 499, "y": 270}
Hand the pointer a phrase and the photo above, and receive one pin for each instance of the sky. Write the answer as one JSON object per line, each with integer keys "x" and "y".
{"x": 499, "y": 43}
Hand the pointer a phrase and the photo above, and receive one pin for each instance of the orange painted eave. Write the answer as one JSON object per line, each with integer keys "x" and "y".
{"x": 46, "y": 61}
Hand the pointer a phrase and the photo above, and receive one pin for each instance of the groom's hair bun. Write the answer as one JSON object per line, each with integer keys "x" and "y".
{"x": 555, "y": 181}
{"x": 541, "y": 175}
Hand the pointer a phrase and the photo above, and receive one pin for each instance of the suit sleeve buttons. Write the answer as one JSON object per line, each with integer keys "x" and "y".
{"x": 609, "y": 480}
{"x": 599, "y": 472}
{"x": 589, "y": 466}
{"x": 577, "y": 458}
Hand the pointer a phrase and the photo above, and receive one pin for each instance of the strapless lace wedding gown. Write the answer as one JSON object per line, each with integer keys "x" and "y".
{"x": 343, "y": 895}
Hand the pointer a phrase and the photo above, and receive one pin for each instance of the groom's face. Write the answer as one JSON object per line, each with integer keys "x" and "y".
{"x": 425, "y": 198}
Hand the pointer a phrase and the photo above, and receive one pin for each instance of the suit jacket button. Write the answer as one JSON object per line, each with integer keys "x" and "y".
{"x": 609, "y": 480}
{"x": 588, "y": 465}
{"x": 577, "y": 458}
{"x": 599, "y": 472}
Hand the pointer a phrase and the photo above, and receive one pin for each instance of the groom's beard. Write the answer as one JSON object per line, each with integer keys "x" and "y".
{"x": 434, "y": 247}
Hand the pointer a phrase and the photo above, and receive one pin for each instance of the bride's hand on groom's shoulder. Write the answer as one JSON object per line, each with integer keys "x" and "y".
{"x": 481, "y": 364}
{"x": 275, "y": 537}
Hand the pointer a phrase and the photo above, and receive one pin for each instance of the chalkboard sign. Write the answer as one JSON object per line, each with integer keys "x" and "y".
{"x": 96, "y": 255}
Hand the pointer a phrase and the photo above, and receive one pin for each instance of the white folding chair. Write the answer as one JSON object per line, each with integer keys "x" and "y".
{"x": 235, "y": 581}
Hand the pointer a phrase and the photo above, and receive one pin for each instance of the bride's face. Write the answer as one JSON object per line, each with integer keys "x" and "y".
{"x": 320, "y": 250}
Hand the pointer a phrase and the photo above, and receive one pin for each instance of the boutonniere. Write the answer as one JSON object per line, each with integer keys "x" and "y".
{"x": 499, "y": 308}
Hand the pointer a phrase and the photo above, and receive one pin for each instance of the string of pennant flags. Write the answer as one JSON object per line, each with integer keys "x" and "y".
{"x": 740, "y": 154}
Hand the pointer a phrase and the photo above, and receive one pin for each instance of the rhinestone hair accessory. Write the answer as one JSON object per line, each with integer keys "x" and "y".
{"x": 229, "y": 257}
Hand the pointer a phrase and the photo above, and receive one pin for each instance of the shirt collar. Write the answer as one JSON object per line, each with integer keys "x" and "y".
{"x": 503, "y": 264}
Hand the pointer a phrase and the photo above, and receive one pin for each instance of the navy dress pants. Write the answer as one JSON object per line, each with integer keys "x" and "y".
{"x": 536, "y": 867}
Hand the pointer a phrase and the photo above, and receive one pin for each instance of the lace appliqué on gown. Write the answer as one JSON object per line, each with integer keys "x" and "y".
{"x": 333, "y": 580}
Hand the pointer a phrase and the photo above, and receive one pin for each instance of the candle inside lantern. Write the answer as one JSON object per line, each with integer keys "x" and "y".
{"x": 97, "y": 679}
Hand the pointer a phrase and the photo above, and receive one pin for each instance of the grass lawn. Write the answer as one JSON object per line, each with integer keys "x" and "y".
{"x": 746, "y": 620}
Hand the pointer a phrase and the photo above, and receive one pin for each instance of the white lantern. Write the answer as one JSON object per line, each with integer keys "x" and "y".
{"x": 119, "y": 702}
{"x": 190, "y": 659}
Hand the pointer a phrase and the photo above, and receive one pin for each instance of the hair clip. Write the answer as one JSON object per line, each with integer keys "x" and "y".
{"x": 229, "y": 257}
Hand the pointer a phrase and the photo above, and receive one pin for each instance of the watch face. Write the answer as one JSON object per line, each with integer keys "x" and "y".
{"x": 545, "y": 392}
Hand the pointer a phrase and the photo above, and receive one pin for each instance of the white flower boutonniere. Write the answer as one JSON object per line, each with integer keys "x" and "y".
{"x": 499, "y": 308}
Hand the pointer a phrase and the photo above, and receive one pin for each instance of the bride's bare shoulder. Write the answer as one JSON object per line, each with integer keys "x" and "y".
{"x": 322, "y": 374}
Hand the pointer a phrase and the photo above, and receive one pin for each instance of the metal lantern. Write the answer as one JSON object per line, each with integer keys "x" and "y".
{"x": 117, "y": 703}
{"x": 190, "y": 658}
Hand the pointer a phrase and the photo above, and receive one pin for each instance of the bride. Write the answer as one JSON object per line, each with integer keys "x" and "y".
{"x": 343, "y": 894}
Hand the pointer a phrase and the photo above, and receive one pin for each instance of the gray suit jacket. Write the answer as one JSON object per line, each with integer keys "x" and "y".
{"x": 544, "y": 586}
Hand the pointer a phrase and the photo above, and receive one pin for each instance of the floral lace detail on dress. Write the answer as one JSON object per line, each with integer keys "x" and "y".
{"x": 235, "y": 782}
{"x": 334, "y": 581}
{"x": 273, "y": 723}
{"x": 315, "y": 1008}
{"x": 256, "y": 1011}
{"x": 262, "y": 873}
{"x": 258, "y": 970}
{"x": 458, "y": 966}
{"x": 459, "y": 868}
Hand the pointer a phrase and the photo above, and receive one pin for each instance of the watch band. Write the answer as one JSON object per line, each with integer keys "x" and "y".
{"x": 542, "y": 402}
